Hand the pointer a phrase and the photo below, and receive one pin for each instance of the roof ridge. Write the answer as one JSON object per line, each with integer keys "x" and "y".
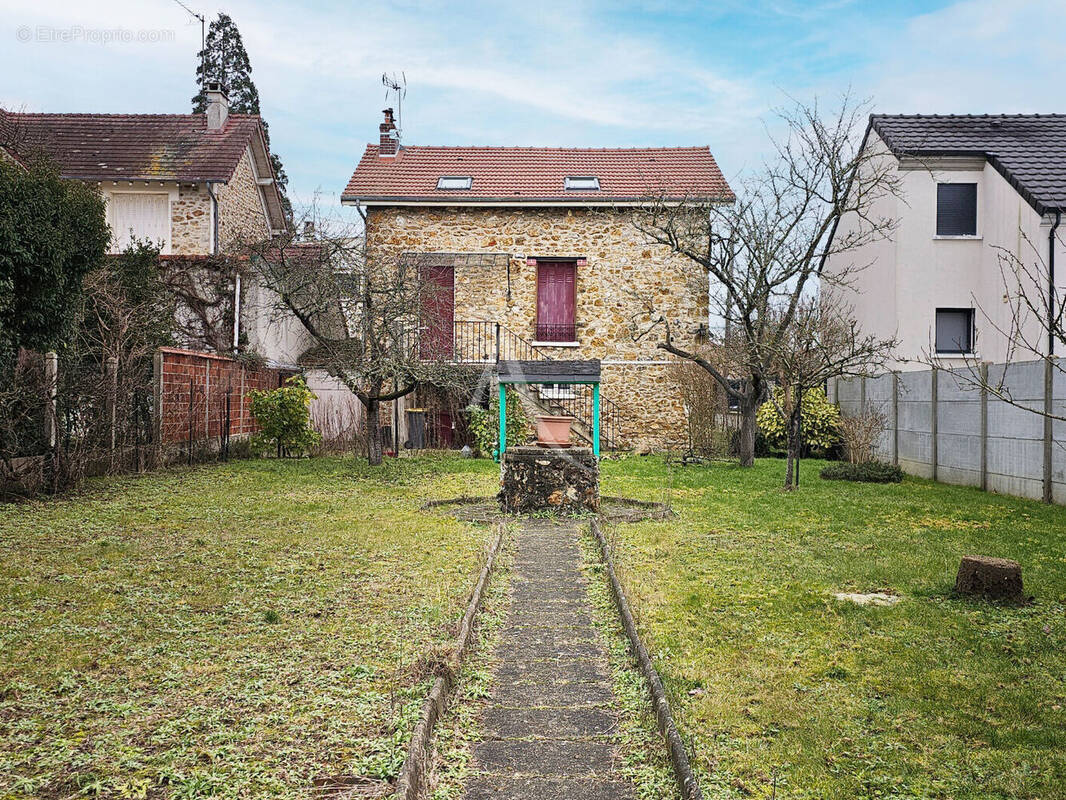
{"x": 969, "y": 116}
{"x": 554, "y": 148}
{"x": 142, "y": 116}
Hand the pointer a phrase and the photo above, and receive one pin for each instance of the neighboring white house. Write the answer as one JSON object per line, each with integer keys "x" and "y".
{"x": 973, "y": 189}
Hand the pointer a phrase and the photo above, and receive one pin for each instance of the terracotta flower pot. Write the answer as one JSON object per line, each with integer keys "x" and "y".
{"x": 553, "y": 431}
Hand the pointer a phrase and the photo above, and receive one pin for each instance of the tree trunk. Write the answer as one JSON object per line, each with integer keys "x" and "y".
{"x": 795, "y": 443}
{"x": 746, "y": 441}
{"x": 373, "y": 433}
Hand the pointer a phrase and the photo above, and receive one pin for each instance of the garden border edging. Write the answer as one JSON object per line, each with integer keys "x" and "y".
{"x": 411, "y": 782}
{"x": 690, "y": 788}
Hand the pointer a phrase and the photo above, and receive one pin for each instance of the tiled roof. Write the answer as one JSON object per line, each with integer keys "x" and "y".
{"x": 167, "y": 147}
{"x": 536, "y": 174}
{"x": 1029, "y": 150}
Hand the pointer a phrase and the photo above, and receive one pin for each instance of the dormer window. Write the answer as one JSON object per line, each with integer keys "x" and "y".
{"x": 581, "y": 183}
{"x": 455, "y": 182}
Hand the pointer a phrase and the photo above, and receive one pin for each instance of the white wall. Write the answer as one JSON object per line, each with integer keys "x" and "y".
{"x": 336, "y": 413}
{"x": 272, "y": 333}
{"x": 907, "y": 278}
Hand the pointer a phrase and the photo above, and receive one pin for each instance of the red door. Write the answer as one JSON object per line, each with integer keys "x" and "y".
{"x": 438, "y": 312}
{"x": 556, "y": 301}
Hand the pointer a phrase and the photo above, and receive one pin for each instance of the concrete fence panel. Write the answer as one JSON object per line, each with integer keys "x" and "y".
{"x": 959, "y": 429}
{"x": 881, "y": 397}
{"x": 943, "y": 425}
{"x": 1058, "y": 437}
{"x": 1016, "y": 435}
{"x": 915, "y": 423}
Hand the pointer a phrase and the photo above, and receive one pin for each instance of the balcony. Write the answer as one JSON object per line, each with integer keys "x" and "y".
{"x": 556, "y": 332}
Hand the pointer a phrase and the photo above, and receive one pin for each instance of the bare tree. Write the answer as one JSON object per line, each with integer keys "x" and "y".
{"x": 757, "y": 258}
{"x": 821, "y": 341}
{"x": 369, "y": 317}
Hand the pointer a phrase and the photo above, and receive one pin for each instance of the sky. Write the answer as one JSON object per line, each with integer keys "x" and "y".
{"x": 540, "y": 72}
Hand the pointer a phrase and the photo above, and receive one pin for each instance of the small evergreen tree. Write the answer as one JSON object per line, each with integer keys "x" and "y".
{"x": 225, "y": 60}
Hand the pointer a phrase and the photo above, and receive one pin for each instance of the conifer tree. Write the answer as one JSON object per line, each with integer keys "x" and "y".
{"x": 225, "y": 60}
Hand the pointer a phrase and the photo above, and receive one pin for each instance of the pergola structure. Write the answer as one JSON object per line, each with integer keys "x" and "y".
{"x": 563, "y": 372}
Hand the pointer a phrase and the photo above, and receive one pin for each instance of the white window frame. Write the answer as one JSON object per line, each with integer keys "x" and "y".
{"x": 468, "y": 183}
{"x": 557, "y": 391}
{"x": 964, "y": 237}
{"x": 570, "y": 183}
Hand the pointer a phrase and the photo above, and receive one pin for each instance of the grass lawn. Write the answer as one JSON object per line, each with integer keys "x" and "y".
{"x": 775, "y": 682}
{"x": 252, "y": 629}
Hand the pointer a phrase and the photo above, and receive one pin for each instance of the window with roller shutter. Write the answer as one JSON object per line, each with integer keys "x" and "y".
{"x": 954, "y": 330}
{"x": 956, "y": 209}
{"x": 139, "y": 215}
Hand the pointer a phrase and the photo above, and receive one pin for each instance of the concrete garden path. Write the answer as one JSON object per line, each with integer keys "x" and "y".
{"x": 549, "y": 731}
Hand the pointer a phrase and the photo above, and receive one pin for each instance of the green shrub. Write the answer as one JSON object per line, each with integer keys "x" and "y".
{"x": 485, "y": 423}
{"x": 284, "y": 418}
{"x": 820, "y": 420}
{"x": 866, "y": 472}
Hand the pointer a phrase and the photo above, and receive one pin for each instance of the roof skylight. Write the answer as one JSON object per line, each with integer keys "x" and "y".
{"x": 585, "y": 183}
{"x": 455, "y": 182}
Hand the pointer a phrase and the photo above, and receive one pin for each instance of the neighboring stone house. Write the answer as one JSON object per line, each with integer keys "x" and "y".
{"x": 197, "y": 185}
{"x": 973, "y": 190}
{"x": 539, "y": 241}
{"x": 193, "y": 183}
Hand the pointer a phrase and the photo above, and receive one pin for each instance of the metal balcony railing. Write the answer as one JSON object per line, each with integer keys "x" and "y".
{"x": 556, "y": 332}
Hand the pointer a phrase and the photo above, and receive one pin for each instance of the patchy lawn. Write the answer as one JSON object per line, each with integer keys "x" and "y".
{"x": 253, "y": 629}
{"x": 776, "y": 682}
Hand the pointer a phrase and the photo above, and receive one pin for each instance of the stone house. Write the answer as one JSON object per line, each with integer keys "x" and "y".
{"x": 198, "y": 186}
{"x": 195, "y": 184}
{"x": 536, "y": 257}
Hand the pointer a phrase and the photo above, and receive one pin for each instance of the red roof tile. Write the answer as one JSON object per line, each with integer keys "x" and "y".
{"x": 536, "y": 175}
{"x": 167, "y": 147}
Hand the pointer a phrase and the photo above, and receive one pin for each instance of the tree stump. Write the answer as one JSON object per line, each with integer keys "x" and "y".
{"x": 994, "y": 578}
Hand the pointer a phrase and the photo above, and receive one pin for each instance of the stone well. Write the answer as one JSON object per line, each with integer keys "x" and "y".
{"x": 564, "y": 480}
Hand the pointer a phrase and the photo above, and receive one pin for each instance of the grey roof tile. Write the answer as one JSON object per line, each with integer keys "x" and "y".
{"x": 1029, "y": 150}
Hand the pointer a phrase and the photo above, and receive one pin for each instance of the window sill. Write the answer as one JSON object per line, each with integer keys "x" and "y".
{"x": 960, "y": 238}
{"x": 954, "y": 354}
{"x": 537, "y": 343}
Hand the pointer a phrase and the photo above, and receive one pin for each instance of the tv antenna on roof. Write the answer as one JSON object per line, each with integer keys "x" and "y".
{"x": 398, "y": 86}
{"x": 203, "y": 37}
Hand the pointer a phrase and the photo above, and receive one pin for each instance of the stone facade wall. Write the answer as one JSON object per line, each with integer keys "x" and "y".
{"x": 620, "y": 269}
{"x": 648, "y": 403}
{"x": 190, "y": 221}
{"x": 241, "y": 215}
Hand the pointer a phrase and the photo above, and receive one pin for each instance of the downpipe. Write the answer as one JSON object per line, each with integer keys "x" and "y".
{"x": 1051, "y": 285}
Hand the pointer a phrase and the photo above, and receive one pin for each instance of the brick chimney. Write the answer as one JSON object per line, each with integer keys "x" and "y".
{"x": 217, "y": 106}
{"x": 390, "y": 138}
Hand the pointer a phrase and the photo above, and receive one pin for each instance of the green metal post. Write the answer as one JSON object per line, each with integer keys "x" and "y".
{"x": 503, "y": 418}
{"x": 596, "y": 420}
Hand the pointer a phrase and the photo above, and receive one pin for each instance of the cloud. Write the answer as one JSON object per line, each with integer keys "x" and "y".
{"x": 593, "y": 73}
